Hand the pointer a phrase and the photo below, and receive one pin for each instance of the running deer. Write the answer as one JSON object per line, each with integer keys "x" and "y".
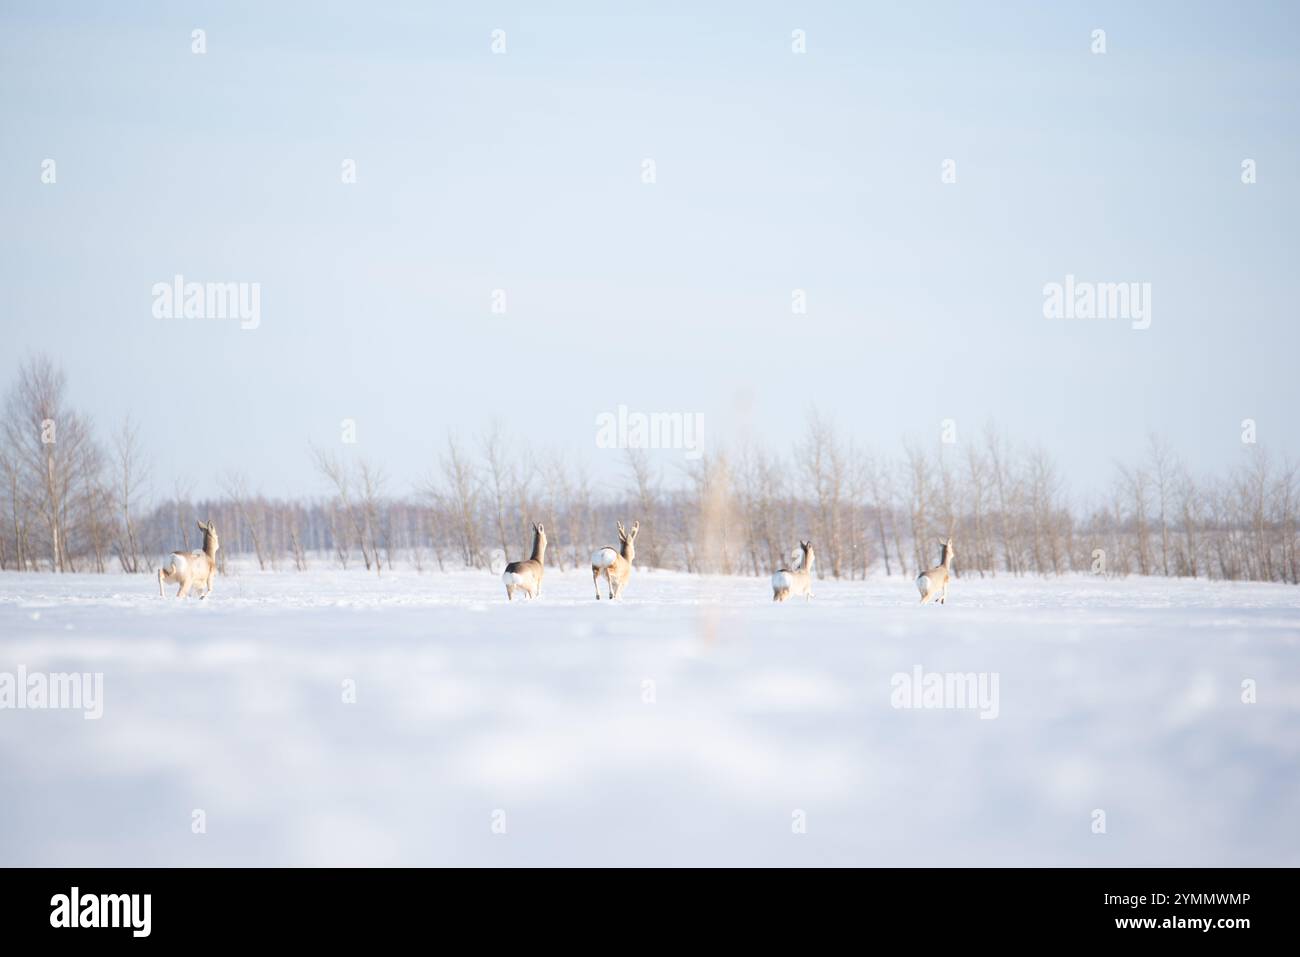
{"x": 527, "y": 575}
{"x": 616, "y": 566}
{"x": 934, "y": 582}
{"x": 192, "y": 568}
{"x": 798, "y": 581}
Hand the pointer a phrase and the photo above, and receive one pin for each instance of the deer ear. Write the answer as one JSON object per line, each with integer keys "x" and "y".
{"x": 201, "y": 528}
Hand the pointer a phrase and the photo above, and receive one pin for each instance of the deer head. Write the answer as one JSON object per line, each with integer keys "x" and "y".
{"x": 210, "y": 544}
{"x": 628, "y": 538}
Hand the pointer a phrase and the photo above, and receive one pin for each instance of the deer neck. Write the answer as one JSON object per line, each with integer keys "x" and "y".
{"x": 627, "y": 551}
{"x": 209, "y": 546}
{"x": 947, "y": 558}
{"x": 539, "y": 549}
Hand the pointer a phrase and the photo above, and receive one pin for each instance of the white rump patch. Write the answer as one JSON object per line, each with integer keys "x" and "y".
{"x": 603, "y": 557}
{"x": 923, "y": 585}
{"x": 513, "y": 578}
{"x": 782, "y": 580}
{"x": 177, "y": 565}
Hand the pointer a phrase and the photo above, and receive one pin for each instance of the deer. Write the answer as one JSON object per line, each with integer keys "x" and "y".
{"x": 191, "y": 569}
{"x": 615, "y": 565}
{"x": 933, "y": 583}
{"x": 798, "y": 581}
{"x": 526, "y": 576}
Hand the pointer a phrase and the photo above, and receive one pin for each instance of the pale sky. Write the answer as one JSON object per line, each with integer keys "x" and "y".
{"x": 775, "y": 171}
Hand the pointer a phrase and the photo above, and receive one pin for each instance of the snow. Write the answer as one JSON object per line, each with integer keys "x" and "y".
{"x": 1117, "y": 695}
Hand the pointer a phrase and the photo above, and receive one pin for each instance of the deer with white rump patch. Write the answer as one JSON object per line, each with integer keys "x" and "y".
{"x": 190, "y": 569}
{"x": 527, "y": 575}
{"x": 798, "y": 581}
{"x": 933, "y": 583}
{"x": 616, "y": 566}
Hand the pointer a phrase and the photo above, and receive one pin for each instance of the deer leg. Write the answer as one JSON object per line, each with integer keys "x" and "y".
{"x": 943, "y": 599}
{"x": 510, "y": 593}
{"x": 595, "y": 580}
{"x": 185, "y": 589}
{"x": 160, "y": 584}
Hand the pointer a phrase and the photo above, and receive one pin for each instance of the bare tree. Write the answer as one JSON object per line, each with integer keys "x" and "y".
{"x": 130, "y": 478}
{"x": 1162, "y": 466}
{"x": 371, "y": 481}
{"x": 822, "y": 463}
{"x": 1006, "y": 493}
{"x": 917, "y": 469}
{"x": 460, "y": 491}
{"x": 235, "y": 486}
{"x": 1138, "y": 485}
{"x": 976, "y": 497}
{"x": 878, "y": 488}
{"x": 501, "y": 481}
{"x": 348, "y": 515}
{"x": 52, "y": 456}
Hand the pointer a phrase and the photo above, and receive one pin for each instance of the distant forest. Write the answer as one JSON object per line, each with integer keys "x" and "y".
{"x": 76, "y": 500}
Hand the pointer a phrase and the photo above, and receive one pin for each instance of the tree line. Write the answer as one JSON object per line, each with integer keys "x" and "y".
{"x": 76, "y": 501}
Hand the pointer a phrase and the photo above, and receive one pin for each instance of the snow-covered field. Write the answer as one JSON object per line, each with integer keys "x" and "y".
{"x": 694, "y": 722}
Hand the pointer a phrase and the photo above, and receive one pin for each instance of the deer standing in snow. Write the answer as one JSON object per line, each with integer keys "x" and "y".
{"x": 786, "y": 582}
{"x": 527, "y": 575}
{"x": 192, "y": 568}
{"x": 933, "y": 583}
{"x": 616, "y": 566}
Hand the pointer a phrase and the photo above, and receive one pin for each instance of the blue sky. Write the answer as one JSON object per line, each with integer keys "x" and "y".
{"x": 775, "y": 171}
